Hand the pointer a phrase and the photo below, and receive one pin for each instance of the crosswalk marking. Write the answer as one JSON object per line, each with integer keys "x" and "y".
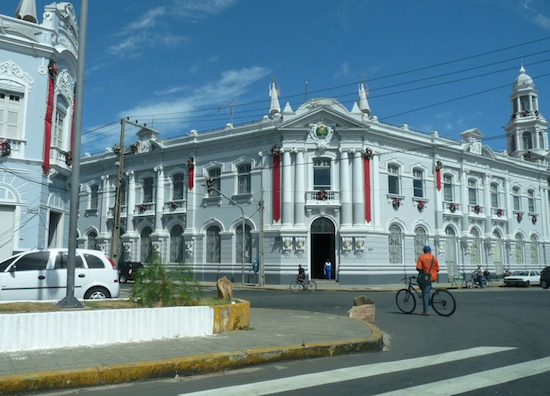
{"x": 347, "y": 374}
{"x": 467, "y": 383}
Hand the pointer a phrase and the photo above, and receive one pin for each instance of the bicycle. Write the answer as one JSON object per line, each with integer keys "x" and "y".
{"x": 442, "y": 301}
{"x": 472, "y": 280}
{"x": 308, "y": 285}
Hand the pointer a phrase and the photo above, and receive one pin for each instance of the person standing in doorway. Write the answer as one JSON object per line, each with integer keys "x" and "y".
{"x": 428, "y": 264}
{"x": 328, "y": 269}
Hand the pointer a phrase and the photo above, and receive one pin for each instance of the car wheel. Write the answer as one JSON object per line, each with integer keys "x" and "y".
{"x": 543, "y": 284}
{"x": 123, "y": 278}
{"x": 527, "y": 284}
{"x": 97, "y": 293}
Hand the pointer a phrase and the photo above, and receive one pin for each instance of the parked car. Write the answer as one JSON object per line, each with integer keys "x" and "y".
{"x": 42, "y": 275}
{"x": 128, "y": 271}
{"x": 522, "y": 278}
{"x": 545, "y": 278}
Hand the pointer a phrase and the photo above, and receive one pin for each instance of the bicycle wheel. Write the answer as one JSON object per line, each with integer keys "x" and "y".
{"x": 295, "y": 286}
{"x": 443, "y": 302}
{"x": 405, "y": 300}
{"x": 311, "y": 286}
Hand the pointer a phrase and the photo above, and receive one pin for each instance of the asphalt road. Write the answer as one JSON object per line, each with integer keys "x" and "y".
{"x": 516, "y": 319}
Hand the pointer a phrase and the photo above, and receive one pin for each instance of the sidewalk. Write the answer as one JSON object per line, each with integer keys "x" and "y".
{"x": 272, "y": 335}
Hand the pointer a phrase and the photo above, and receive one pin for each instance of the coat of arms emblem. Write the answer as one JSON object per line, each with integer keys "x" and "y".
{"x": 321, "y": 131}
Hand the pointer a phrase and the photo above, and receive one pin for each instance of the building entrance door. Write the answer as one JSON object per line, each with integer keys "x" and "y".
{"x": 322, "y": 247}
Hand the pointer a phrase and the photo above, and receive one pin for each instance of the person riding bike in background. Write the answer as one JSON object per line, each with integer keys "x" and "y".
{"x": 301, "y": 276}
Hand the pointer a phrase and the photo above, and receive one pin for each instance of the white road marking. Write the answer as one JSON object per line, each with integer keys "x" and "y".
{"x": 483, "y": 379}
{"x": 346, "y": 374}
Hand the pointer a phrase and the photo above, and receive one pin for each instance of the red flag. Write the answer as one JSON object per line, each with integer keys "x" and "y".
{"x": 48, "y": 125}
{"x": 276, "y": 188}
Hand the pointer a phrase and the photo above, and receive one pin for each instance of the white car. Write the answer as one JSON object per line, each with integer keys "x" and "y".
{"x": 522, "y": 278}
{"x": 42, "y": 275}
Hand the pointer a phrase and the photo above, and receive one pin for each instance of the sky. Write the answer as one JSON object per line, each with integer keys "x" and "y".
{"x": 180, "y": 65}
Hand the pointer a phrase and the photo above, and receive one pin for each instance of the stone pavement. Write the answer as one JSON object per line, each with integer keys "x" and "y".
{"x": 272, "y": 335}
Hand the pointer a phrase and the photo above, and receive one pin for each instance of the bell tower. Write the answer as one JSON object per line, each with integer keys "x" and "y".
{"x": 527, "y": 130}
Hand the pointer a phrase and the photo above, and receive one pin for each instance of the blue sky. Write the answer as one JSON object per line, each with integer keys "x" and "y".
{"x": 177, "y": 64}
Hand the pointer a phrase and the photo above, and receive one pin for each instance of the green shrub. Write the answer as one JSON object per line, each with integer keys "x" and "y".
{"x": 158, "y": 286}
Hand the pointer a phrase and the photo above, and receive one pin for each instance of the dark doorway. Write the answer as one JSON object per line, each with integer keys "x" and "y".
{"x": 53, "y": 230}
{"x": 322, "y": 247}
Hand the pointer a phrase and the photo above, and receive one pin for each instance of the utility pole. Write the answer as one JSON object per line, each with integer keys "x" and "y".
{"x": 119, "y": 150}
{"x": 210, "y": 186}
{"x": 262, "y": 263}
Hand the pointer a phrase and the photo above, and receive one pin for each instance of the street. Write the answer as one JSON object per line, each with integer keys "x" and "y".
{"x": 495, "y": 336}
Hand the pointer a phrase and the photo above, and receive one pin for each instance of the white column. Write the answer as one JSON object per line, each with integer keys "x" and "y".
{"x": 288, "y": 215}
{"x": 509, "y": 210}
{"x": 543, "y": 220}
{"x": 159, "y": 201}
{"x": 345, "y": 189}
{"x": 487, "y": 209}
{"x": 358, "y": 190}
{"x": 131, "y": 191}
{"x": 299, "y": 196}
{"x": 104, "y": 205}
{"x": 464, "y": 205}
{"x": 376, "y": 203}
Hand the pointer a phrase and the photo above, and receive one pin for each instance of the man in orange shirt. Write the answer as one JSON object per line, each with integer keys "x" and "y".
{"x": 428, "y": 264}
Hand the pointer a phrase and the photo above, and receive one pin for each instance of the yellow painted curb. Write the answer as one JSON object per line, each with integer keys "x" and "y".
{"x": 186, "y": 366}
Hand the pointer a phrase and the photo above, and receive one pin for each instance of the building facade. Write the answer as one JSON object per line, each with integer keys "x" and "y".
{"x": 37, "y": 82}
{"x": 324, "y": 182}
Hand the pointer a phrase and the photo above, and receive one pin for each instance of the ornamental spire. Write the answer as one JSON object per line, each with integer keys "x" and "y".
{"x": 27, "y": 11}
{"x": 363, "y": 93}
{"x": 274, "y": 93}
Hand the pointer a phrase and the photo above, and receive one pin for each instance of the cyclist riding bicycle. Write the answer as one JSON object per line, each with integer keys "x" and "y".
{"x": 301, "y": 276}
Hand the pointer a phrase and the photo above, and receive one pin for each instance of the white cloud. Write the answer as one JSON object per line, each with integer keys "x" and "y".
{"x": 446, "y": 114}
{"x": 342, "y": 71}
{"x": 543, "y": 21}
{"x": 231, "y": 85}
{"x": 196, "y": 10}
{"x": 147, "y": 21}
{"x": 171, "y": 90}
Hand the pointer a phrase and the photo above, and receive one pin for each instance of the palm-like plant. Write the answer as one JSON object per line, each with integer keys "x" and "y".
{"x": 156, "y": 285}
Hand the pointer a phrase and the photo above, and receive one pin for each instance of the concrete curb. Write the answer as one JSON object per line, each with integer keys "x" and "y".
{"x": 186, "y": 366}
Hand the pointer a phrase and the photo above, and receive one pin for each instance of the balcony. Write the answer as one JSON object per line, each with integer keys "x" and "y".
{"x": 145, "y": 209}
{"x": 123, "y": 212}
{"x": 177, "y": 206}
{"x": 325, "y": 198}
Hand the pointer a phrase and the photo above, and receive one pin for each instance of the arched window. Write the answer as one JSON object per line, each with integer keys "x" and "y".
{"x": 94, "y": 197}
{"x": 420, "y": 240}
{"x": 516, "y": 198}
{"x": 176, "y": 244}
{"x": 448, "y": 188}
{"x": 395, "y": 244}
{"x": 213, "y": 253}
{"x": 475, "y": 251}
{"x": 393, "y": 180}
{"x": 247, "y": 244}
{"x": 91, "y": 242}
{"x": 534, "y": 250}
{"x": 146, "y": 246}
{"x": 177, "y": 184}
{"x": 418, "y": 183}
{"x": 527, "y": 141}
{"x": 450, "y": 251}
{"x": 59, "y": 123}
{"x": 520, "y": 253}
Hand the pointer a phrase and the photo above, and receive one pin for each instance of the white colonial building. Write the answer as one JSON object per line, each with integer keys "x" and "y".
{"x": 38, "y": 64}
{"x": 334, "y": 183}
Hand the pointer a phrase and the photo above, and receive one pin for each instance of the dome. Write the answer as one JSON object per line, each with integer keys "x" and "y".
{"x": 523, "y": 79}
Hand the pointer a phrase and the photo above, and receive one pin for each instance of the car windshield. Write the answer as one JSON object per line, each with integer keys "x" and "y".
{"x": 520, "y": 273}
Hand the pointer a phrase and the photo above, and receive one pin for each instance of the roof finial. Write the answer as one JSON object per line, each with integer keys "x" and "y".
{"x": 363, "y": 93}
{"x": 274, "y": 93}
{"x": 27, "y": 11}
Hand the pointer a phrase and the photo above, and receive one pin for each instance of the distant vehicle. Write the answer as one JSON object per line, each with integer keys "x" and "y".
{"x": 522, "y": 278}
{"x": 545, "y": 278}
{"x": 42, "y": 275}
{"x": 128, "y": 271}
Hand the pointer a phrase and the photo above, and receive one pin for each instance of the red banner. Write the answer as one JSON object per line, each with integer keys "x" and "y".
{"x": 276, "y": 188}
{"x": 48, "y": 125}
{"x": 366, "y": 163}
{"x": 191, "y": 178}
{"x": 438, "y": 178}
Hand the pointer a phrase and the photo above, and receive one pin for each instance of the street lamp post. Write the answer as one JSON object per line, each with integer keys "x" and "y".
{"x": 212, "y": 188}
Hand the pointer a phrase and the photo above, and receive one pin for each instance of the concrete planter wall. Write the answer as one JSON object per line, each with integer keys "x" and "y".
{"x": 48, "y": 330}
